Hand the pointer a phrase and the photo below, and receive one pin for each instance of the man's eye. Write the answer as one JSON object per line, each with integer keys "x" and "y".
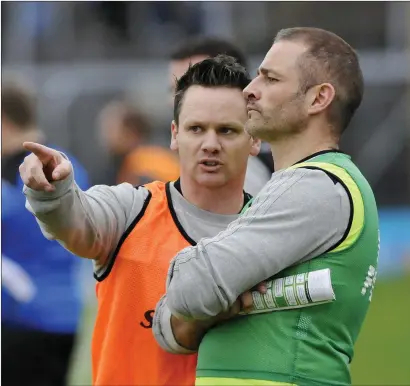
{"x": 195, "y": 129}
{"x": 272, "y": 80}
{"x": 226, "y": 130}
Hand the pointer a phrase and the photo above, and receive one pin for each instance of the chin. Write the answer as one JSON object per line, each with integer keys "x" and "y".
{"x": 211, "y": 180}
{"x": 254, "y": 129}
{"x": 250, "y": 129}
{"x": 260, "y": 131}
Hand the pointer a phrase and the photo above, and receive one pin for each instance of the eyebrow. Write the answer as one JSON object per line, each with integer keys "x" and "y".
{"x": 230, "y": 124}
{"x": 265, "y": 71}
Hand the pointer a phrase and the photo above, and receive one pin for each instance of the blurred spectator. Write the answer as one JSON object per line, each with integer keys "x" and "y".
{"x": 41, "y": 301}
{"x": 197, "y": 49}
{"x": 125, "y": 133}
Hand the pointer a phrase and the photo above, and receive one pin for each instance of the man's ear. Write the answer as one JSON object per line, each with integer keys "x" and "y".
{"x": 174, "y": 133}
{"x": 256, "y": 146}
{"x": 320, "y": 97}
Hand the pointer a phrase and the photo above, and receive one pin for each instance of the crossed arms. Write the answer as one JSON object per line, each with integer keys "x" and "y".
{"x": 299, "y": 215}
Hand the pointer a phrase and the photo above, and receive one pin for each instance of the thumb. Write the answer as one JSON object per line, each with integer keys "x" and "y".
{"x": 62, "y": 171}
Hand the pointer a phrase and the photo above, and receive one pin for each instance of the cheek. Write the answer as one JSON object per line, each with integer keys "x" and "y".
{"x": 187, "y": 150}
{"x": 275, "y": 98}
{"x": 296, "y": 109}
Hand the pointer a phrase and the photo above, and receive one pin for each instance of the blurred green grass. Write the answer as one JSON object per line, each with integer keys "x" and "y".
{"x": 382, "y": 354}
{"x": 80, "y": 369}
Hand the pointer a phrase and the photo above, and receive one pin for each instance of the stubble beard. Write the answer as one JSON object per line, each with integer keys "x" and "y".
{"x": 287, "y": 122}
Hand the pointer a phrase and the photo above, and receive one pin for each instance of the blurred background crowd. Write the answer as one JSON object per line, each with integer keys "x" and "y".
{"x": 93, "y": 78}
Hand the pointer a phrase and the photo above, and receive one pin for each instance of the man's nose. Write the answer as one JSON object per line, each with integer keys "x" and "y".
{"x": 251, "y": 91}
{"x": 211, "y": 142}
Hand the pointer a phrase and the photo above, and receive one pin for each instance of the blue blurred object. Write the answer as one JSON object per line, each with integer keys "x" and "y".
{"x": 56, "y": 302}
{"x": 35, "y": 17}
{"x": 394, "y": 241}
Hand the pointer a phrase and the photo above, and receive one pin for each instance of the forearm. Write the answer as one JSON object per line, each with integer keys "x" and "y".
{"x": 179, "y": 336}
{"x": 198, "y": 293}
{"x": 189, "y": 334}
{"x": 63, "y": 216}
{"x": 89, "y": 224}
{"x": 290, "y": 222}
{"x": 166, "y": 337}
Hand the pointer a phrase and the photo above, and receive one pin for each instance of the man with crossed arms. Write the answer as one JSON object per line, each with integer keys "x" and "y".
{"x": 316, "y": 214}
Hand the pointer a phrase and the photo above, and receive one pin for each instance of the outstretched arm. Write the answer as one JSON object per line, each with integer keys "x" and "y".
{"x": 89, "y": 224}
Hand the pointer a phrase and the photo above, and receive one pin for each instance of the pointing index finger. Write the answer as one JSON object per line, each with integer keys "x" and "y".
{"x": 43, "y": 153}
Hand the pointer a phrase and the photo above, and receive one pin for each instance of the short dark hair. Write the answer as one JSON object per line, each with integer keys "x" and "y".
{"x": 220, "y": 71}
{"x": 18, "y": 105}
{"x": 208, "y": 46}
{"x": 329, "y": 59}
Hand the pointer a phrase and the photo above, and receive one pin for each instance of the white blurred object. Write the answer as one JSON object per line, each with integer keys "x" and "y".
{"x": 17, "y": 281}
{"x": 257, "y": 175}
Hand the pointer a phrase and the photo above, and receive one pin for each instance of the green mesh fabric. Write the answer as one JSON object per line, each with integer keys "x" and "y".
{"x": 306, "y": 346}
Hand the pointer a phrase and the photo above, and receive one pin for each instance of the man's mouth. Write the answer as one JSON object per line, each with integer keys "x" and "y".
{"x": 210, "y": 163}
{"x": 252, "y": 108}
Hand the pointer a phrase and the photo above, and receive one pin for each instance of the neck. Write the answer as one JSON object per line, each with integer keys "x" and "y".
{"x": 227, "y": 199}
{"x": 15, "y": 143}
{"x": 288, "y": 151}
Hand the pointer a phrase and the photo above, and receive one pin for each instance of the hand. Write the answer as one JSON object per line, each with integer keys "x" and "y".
{"x": 243, "y": 304}
{"x": 43, "y": 166}
{"x": 189, "y": 334}
{"x": 246, "y": 298}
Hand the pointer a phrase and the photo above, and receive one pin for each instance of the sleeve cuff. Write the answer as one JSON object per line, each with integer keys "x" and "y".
{"x": 61, "y": 188}
{"x": 162, "y": 330}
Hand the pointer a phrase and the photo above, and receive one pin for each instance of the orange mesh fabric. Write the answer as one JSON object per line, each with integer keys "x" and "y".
{"x": 124, "y": 349}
